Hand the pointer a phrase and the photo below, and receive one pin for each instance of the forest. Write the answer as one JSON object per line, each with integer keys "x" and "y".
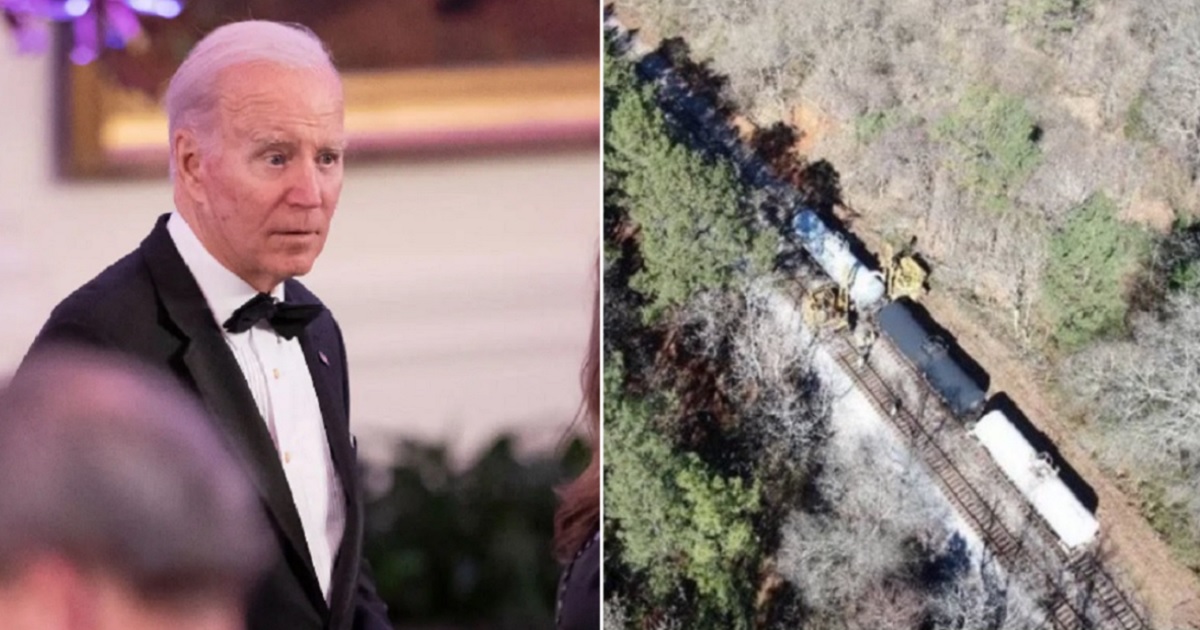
{"x": 720, "y": 470}
{"x": 1044, "y": 155}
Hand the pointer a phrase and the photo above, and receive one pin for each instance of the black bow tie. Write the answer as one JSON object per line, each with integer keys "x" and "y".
{"x": 287, "y": 319}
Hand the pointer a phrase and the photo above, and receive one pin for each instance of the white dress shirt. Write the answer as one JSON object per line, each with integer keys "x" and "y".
{"x": 278, "y": 377}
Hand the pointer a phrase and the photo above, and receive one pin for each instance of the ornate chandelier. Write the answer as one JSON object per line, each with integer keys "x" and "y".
{"x": 95, "y": 24}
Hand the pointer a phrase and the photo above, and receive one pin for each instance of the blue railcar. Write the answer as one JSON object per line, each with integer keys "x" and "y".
{"x": 932, "y": 356}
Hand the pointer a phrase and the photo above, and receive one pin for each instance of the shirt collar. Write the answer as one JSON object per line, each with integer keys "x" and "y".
{"x": 224, "y": 291}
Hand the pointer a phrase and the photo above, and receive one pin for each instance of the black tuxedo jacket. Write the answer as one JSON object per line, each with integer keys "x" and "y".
{"x": 148, "y": 305}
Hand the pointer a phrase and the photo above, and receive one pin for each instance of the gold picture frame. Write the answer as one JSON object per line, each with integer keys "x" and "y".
{"x": 114, "y": 132}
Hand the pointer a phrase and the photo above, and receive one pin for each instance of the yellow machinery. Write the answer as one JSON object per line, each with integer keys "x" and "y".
{"x": 826, "y": 308}
{"x": 904, "y": 275}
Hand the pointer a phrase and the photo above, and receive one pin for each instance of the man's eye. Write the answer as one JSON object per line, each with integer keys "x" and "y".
{"x": 329, "y": 159}
{"x": 276, "y": 159}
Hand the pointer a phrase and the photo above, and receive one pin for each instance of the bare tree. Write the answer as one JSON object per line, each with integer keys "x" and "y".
{"x": 876, "y": 505}
{"x": 766, "y": 359}
{"x": 1146, "y": 391}
{"x": 1173, "y": 104}
{"x": 890, "y": 605}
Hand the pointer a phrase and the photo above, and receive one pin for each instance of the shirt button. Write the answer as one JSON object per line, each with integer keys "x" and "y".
{"x": 276, "y": 373}
{"x": 287, "y": 457}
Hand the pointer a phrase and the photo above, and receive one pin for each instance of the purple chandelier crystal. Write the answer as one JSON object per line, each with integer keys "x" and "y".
{"x": 96, "y": 24}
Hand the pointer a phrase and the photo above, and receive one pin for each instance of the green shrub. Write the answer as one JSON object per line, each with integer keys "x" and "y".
{"x": 993, "y": 141}
{"x": 1089, "y": 263}
{"x": 1185, "y": 277}
{"x": 1136, "y": 126}
{"x": 468, "y": 547}
{"x": 871, "y": 125}
{"x": 1171, "y": 520}
{"x": 1176, "y": 259}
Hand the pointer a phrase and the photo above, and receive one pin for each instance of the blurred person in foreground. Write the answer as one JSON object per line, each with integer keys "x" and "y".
{"x": 255, "y": 116}
{"x": 119, "y": 507}
{"x": 577, "y": 522}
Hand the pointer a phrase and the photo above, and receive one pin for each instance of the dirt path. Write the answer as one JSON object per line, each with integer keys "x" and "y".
{"x": 1169, "y": 590}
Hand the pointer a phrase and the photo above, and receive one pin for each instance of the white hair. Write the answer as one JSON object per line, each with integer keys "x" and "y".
{"x": 191, "y": 97}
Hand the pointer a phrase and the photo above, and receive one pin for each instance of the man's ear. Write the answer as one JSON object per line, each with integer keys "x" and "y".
{"x": 185, "y": 158}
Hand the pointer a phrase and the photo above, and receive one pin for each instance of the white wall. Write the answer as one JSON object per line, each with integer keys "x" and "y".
{"x": 463, "y": 285}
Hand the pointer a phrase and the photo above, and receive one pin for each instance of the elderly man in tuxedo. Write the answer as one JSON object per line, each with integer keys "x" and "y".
{"x": 256, "y": 143}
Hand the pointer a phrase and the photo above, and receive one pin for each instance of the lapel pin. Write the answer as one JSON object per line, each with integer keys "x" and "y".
{"x": 324, "y": 359}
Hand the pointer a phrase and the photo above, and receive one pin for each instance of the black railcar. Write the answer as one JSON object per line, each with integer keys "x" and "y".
{"x": 936, "y": 358}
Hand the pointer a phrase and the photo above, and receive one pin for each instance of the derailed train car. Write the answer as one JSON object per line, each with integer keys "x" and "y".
{"x": 954, "y": 377}
{"x": 832, "y": 253}
{"x": 1036, "y": 478}
{"x": 932, "y": 356}
{"x": 965, "y": 394}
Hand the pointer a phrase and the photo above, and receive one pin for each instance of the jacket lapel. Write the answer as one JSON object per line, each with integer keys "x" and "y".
{"x": 322, "y": 353}
{"x": 222, "y": 387}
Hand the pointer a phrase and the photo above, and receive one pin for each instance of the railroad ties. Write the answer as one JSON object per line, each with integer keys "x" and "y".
{"x": 1065, "y": 611}
{"x": 1089, "y": 569}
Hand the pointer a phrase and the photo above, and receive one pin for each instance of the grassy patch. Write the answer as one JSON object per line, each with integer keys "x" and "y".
{"x": 871, "y": 125}
{"x": 1137, "y": 128}
{"x": 1170, "y": 519}
{"x": 1054, "y": 16}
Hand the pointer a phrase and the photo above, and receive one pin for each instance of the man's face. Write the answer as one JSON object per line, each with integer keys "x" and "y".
{"x": 270, "y": 173}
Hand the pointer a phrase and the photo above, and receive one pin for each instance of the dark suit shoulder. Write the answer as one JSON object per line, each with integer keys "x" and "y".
{"x": 111, "y": 310}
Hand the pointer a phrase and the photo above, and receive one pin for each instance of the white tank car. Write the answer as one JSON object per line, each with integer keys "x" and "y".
{"x": 832, "y": 252}
{"x": 1037, "y": 480}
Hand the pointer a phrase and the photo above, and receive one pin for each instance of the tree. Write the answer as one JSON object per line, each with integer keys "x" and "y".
{"x": 1087, "y": 271}
{"x": 677, "y": 522}
{"x": 875, "y": 540}
{"x": 693, "y": 233}
{"x": 1146, "y": 392}
{"x": 780, "y": 411}
{"x": 994, "y": 145}
{"x": 1172, "y": 108}
{"x": 861, "y": 531}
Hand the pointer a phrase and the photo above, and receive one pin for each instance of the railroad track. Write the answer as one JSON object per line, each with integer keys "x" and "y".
{"x": 1102, "y": 590}
{"x": 1010, "y": 549}
{"x": 1066, "y": 612}
{"x": 1106, "y": 591}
